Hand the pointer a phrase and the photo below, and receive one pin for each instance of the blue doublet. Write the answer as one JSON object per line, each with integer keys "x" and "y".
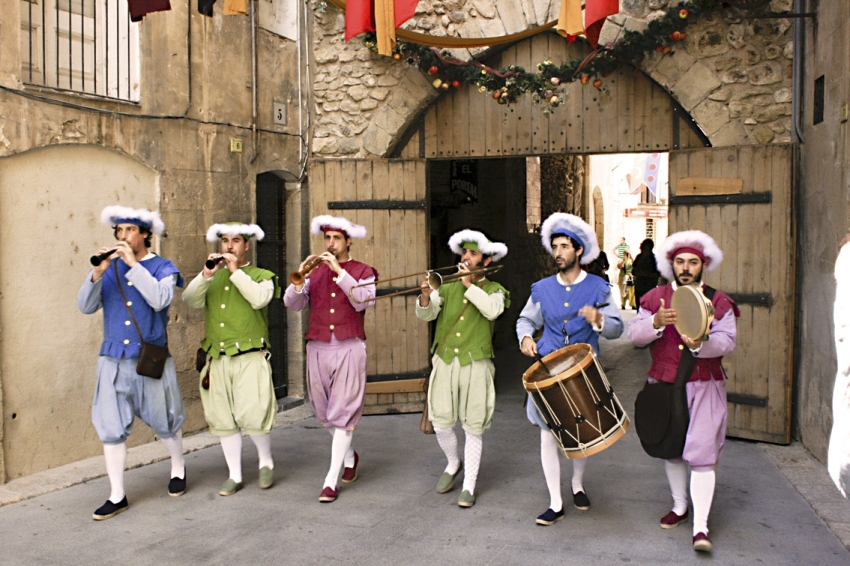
{"x": 560, "y": 304}
{"x": 120, "y": 339}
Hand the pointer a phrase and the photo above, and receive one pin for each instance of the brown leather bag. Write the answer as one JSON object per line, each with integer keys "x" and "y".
{"x": 425, "y": 425}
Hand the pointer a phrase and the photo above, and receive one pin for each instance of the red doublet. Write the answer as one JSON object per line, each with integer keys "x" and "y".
{"x": 330, "y": 309}
{"x": 667, "y": 350}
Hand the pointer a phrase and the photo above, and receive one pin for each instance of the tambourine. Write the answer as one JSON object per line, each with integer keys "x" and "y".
{"x": 694, "y": 312}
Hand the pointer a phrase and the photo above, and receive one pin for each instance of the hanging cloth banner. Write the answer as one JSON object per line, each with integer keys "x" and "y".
{"x": 595, "y": 13}
{"x": 386, "y": 17}
{"x": 569, "y": 19}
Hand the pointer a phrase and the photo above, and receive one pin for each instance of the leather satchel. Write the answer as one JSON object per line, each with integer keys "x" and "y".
{"x": 152, "y": 357}
{"x": 425, "y": 425}
{"x": 661, "y": 410}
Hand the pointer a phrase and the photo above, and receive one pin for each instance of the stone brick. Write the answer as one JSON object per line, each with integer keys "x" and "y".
{"x": 349, "y": 106}
{"x": 511, "y": 14}
{"x": 427, "y": 23}
{"x": 358, "y": 92}
{"x": 735, "y": 36}
{"x": 379, "y": 93}
{"x": 738, "y": 109}
{"x": 783, "y": 95}
{"x": 709, "y": 43}
{"x": 772, "y": 112}
{"x": 387, "y": 80}
{"x": 348, "y": 146}
{"x": 376, "y": 141}
{"x": 719, "y": 95}
{"x": 457, "y": 16}
{"x": 767, "y": 73}
{"x": 636, "y": 7}
{"x": 732, "y": 133}
{"x": 486, "y": 8}
{"x": 733, "y": 76}
{"x": 695, "y": 85}
{"x": 711, "y": 116}
{"x": 324, "y": 145}
{"x": 752, "y": 55}
{"x": 634, "y": 24}
{"x": 368, "y": 104}
{"x": 762, "y": 134}
{"x": 656, "y": 4}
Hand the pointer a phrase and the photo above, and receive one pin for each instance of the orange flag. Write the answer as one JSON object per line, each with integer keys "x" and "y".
{"x": 569, "y": 18}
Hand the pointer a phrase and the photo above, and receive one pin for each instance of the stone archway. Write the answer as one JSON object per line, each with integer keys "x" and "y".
{"x": 732, "y": 77}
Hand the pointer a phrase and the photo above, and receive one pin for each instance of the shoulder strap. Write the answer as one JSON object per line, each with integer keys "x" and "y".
{"x": 129, "y": 310}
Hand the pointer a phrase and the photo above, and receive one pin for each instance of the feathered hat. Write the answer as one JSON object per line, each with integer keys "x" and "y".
{"x": 141, "y": 217}
{"x": 247, "y": 231}
{"x": 563, "y": 224}
{"x": 472, "y": 239}
{"x": 326, "y": 222}
{"x": 690, "y": 241}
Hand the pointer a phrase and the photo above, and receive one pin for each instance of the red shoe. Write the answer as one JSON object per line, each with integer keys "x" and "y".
{"x": 671, "y": 520}
{"x": 350, "y": 474}
{"x": 328, "y": 494}
{"x": 702, "y": 543}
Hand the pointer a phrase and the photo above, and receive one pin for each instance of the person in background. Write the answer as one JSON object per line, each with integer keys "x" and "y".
{"x": 645, "y": 270}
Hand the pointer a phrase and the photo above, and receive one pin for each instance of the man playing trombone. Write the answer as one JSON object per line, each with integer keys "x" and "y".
{"x": 336, "y": 339}
{"x": 461, "y": 382}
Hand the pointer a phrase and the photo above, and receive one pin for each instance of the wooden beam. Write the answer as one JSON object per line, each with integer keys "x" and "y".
{"x": 400, "y": 386}
{"x": 693, "y": 186}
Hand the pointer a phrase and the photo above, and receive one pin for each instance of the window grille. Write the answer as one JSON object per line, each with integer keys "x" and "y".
{"x": 650, "y": 228}
{"x": 87, "y": 46}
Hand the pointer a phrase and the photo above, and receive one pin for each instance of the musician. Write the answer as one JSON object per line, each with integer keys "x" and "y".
{"x": 336, "y": 341}
{"x": 148, "y": 282}
{"x": 682, "y": 259}
{"x": 461, "y": 381}
{"x": 236, "y": 382}
{"x": 571, "y": 307}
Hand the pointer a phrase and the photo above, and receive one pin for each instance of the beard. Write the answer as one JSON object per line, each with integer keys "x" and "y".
{"x": 568, "y": 264}
{"x": 695, "y": 279}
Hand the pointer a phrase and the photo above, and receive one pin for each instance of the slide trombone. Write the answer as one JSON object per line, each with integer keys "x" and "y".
{"x": 435, "y": 280}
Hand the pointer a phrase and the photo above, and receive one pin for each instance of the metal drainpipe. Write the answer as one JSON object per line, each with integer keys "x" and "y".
{"x": 796, "y": 78}
{"x": 255, "y": 141}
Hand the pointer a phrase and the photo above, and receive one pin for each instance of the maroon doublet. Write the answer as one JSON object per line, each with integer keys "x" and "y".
{"x": 330, "y": 309}
{"x": 667, "y": 350}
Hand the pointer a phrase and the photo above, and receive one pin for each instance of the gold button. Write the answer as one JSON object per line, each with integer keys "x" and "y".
{"x": 221, "y": 344}
{"x": 126, "y": 341}
{"x": 129, "y": 283}
{"x": 455, "y": 350}
{"x": 465, "y": 301}
{"x": 222, "y": 306}
{"x": 221, "y": 324}
{"x": 332, "y": 311}
{"x": 457, "y": 334}
{"x": 568, "y": 288}
{"x": 227, "y": 288}
{"x": 126, "y": 323}
{"x": 333, "y": 294}
{"x": 461, "y": 318}
{"x": 681, "y": 347}
{"x": 332, "y": 326}
{"x": 566, "y": 304}
{"x": 129, "y": 303}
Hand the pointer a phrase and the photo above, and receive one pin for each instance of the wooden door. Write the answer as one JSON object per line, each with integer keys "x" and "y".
{"x": 388, "y": 197}
{"x": 742, "y": 197}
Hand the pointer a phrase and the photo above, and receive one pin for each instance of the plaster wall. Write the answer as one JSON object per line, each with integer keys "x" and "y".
{"x": 824, "y": 217}
{"x": 174, "y": 148}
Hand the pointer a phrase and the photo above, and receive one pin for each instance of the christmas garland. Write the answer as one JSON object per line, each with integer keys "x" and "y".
{"x": 507, "y": 85}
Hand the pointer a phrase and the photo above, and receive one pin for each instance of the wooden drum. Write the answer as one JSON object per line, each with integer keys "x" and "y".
{"x": 694, "y": 312}
{"x": 576, "y": 401}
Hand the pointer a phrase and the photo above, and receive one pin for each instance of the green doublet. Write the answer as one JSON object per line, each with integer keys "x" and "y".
{"x": 471, "y": 339}
{"x": 232, "y": 324}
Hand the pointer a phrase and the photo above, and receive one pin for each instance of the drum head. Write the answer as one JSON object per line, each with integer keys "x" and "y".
{"x": 693, "y": 311}
{"x": 563, "y": 364}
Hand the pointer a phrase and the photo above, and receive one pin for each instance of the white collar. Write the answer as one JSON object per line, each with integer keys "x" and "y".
{"x": 581, "y": 277}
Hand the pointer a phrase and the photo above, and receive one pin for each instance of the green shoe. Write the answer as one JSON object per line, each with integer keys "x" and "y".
{"x": 444, "y": 485}
{"x": 230, "y": 487}
{"x": 266, "y": 477}
{"x": 466, "y": 499}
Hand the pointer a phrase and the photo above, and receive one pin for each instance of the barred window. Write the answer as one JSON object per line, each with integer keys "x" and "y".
{"x": 87, "y": 46}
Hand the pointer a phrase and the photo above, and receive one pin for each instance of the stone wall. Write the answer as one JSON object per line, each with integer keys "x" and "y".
{"x": 733, "y": 75}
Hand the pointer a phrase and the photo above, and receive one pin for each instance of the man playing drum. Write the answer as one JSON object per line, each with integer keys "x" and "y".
{"x": 571, "y": 307}
{"x": 461, "y": 383}
{"x": 682, "y": 258}
{"x": 336, "y": 340}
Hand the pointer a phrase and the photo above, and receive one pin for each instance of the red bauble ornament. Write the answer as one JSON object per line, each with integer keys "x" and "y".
{"x": 682, "y": 36}
{"x": 396, "y": 56}
{"x": 597, "y": 83}
{"x": 683, "y": 13}
{"x": 497, "y": 95}
{"x": 571, "y": 38}
{"x": 660, "y": 48}
{"x": 584, "y": 79}
{"x": 676, "y": 35}
{"x": 433, "y": 70}
{"x": 456, "y": 84}
{"x": 667, "y": 49}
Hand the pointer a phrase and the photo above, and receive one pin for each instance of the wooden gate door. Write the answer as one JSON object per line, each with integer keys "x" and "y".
{"x": 742, "y": 197}
{"x": 388, "y": 197}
